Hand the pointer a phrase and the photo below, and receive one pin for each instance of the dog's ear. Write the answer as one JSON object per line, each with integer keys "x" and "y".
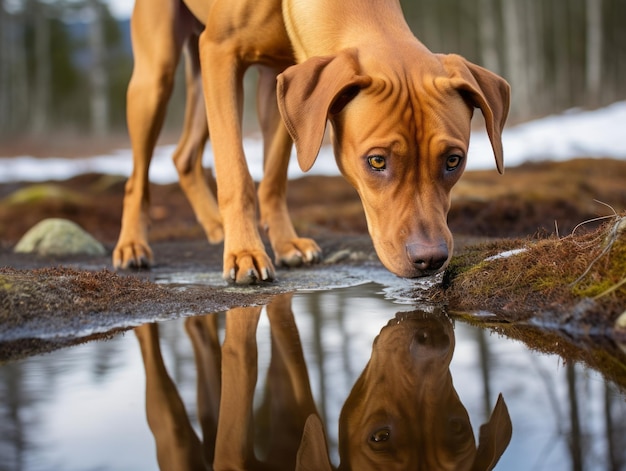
{"x": 308, "y": 93}
{"x": 494, "y": 438}
{"x": 313, "y": 452}
{"x": 484, "y": 90}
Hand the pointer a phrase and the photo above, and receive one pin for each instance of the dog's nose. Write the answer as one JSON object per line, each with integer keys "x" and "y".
{"x": 427, "y": 258}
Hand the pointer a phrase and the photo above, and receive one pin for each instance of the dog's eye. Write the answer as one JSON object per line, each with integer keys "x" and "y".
{"x": 453, "y": 162}
{"x": 377, "y": 162}
{"x": 381, "y": 435}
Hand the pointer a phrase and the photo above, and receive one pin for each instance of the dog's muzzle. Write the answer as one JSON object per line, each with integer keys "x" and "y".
{"x": 427, "y": 259}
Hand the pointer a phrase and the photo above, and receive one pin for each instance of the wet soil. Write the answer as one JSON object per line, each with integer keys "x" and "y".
{"x": 45, "y": 301}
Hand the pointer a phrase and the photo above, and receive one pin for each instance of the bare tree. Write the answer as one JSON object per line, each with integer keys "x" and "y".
{"x": 593, "y": 69}
{"x": 5, "y": 75}
{"x": 14, "y": 83}
{"x": 42, "y": 70}
{"x": 489, "y": 35}
{"x": 98, "y": 78}
{"x": 512, "y": 15}
{"x": 535, "y": 56}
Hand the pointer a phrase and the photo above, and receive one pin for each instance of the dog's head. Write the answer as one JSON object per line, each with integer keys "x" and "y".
{"x": 401, "y": 135}
{"x": 404, "y": 413}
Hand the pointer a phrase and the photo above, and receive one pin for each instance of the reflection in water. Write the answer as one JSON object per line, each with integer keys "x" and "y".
{"x": 402, "y": 413}
{"x": 84, "y": 408}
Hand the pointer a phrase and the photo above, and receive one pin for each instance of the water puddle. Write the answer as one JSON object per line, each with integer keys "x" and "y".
{"x": 384, "y": 382}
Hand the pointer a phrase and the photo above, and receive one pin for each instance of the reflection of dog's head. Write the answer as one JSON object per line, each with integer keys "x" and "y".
{"x": 404, "y": 413}
{"x": 401, "y": 135}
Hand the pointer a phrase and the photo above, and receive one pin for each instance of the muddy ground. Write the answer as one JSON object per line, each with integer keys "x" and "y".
{"x": 529, "y": 203}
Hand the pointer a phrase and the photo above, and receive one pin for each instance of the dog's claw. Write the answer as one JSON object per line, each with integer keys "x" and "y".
{"x": 132, "y": 257}
{"x": 295, "y": 252}
{"x": 252, "y": 276}
{"x": 312, "y": 256}
{"x": 293, "y": 260}
{"x": 247, "y": 269}
{"x": 140, "y": 263}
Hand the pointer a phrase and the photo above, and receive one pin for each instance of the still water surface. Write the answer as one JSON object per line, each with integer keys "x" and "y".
{"x": 423, "y": 390}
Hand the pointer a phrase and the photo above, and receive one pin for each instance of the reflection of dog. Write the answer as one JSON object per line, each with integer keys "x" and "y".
{"x": 225, "y": 399}
{"x": 401, "y": 119}
{"x": 404, "y": 413}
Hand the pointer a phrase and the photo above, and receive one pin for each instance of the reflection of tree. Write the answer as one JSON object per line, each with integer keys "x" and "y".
{"x": 485, "y": 368}
{"x": 14, "y": 419}
{"x": 575, "y": 435}
{"x": 615, "y": 428}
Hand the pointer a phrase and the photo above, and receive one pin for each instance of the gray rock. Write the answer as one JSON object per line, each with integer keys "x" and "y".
{"x": 58, "y": 237}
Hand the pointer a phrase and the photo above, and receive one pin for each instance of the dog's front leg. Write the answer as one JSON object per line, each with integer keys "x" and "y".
{"x": 245, "y": 259}
{"x": 203, "y": 333}
{"x": 234, "y": 446}
{"x": 289, "y": 249}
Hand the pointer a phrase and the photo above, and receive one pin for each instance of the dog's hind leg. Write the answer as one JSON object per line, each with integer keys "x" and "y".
{"x": 158, "y": 30}
{"x": 188, "y": 154}
{"x": 245, "y": 259}
{"x": 289, "y": 249}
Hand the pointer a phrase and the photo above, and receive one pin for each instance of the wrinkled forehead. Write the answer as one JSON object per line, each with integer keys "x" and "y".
{"x": 409, "y": 107}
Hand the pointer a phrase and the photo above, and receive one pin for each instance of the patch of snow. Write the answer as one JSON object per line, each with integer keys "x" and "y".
{"x": 575, "y": 133}
{"x": 506, "y": 254}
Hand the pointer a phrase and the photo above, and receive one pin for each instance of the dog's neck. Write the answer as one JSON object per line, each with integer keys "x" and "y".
{"x": 374, "y": 25}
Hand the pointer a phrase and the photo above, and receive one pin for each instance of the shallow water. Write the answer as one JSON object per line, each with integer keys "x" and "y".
{"x": 429, "y": 383}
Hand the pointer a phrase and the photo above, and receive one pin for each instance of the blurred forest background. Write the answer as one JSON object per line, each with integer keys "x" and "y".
{"x": 65, "y": 64}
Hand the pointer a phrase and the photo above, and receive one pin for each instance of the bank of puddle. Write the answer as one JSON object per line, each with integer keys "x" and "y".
{"x": 363, "y": 367}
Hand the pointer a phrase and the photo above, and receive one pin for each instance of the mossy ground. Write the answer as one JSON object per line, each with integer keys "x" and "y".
{"x": 554, "y": 275}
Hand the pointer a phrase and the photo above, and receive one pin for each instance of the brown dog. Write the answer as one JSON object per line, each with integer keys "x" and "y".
{"x": 400, "y": 115}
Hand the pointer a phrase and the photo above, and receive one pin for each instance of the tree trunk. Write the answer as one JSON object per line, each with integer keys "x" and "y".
{"x": 593, "y": 66}
{"x": 42, "y": 70}
{"x": 536, "y": 57}
{"x": 515, "y": 65}
{"x": 16, "y": 54}
{"x": 488, "y": 34}
{"x": 5, "y": 76}
{"x": 562, "y": 63}
{"x": 99, "y": 103}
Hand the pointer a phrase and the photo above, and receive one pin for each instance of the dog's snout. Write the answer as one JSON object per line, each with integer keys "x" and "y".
{"x": 427, "y": 258}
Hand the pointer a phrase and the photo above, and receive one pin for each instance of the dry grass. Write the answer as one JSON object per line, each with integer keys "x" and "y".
{"x": 552, "y": 275}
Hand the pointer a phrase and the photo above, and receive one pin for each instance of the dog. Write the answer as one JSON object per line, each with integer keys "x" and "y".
{"x": 400, "y": 116}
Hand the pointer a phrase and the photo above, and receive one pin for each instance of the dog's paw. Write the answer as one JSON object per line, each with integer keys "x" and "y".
{"x": 247, "y": 268}
{"x": 132, "y": 255}
{"x": 296, "y": 252}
